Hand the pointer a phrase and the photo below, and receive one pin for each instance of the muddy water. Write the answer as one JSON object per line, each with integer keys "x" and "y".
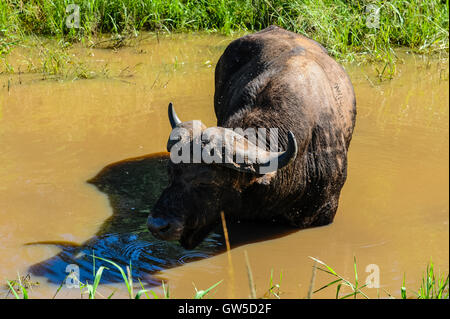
{"x": 55, "y": 136}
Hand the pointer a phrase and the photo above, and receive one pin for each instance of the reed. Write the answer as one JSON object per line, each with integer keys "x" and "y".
{"x": 230, "y": 260}
{"x": 346, "y": 28}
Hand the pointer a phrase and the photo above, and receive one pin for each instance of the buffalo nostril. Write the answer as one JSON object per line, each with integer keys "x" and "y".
{"x": 164, "y": 229}
{"x": 158, "y": 224}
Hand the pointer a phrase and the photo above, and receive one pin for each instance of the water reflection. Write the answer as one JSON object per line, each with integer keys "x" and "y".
{"x": 132, "y": 186}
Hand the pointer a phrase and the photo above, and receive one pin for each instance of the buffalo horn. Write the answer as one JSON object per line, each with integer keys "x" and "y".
{"x": 173, "y": 118}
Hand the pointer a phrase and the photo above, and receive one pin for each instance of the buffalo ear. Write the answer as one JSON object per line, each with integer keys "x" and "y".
{"x": 265, "y": 179}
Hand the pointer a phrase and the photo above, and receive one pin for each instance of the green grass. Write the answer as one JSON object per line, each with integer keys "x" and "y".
{"x": 341, "y": 26}
{"x": 433, "y": 286}
{"x": 340, "y": 281}
{"x": 17, "y": 288}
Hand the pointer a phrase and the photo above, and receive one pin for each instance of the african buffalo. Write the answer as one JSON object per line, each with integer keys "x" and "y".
{"x": 270, "y": 79}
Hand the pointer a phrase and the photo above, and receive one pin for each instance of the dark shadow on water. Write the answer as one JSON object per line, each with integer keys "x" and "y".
{"x": 132, "y": 187}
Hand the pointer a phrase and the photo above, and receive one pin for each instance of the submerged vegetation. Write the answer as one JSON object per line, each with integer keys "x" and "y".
{"x": 350, "y": 30}
{"x": 433, "y": 286}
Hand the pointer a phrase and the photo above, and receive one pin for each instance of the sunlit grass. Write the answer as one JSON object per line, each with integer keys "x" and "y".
{"x": 20, "y": 290}
{"x": 340, "y": 281}
{"x": 345, "y": 28}
{"x": 432, "y": 286}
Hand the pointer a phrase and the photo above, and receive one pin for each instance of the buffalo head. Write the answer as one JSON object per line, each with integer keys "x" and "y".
{"x": 210, "y": 169}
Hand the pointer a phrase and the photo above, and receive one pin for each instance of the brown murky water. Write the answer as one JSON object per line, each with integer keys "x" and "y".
{"x": 54, "y": 136}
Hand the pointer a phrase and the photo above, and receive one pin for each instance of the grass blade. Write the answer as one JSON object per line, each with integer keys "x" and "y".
{"x": 124, "y": 277}
{"x": 202, "y": 293}
{"x": 11, "y": 288}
